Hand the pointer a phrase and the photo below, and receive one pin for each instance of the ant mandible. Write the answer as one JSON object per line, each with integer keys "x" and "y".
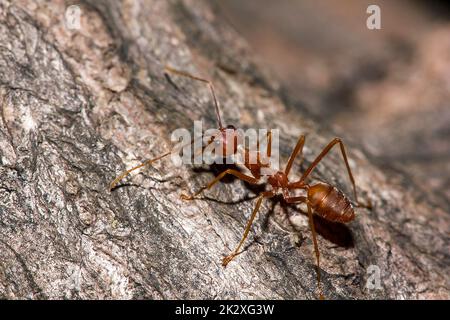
{"x": 321, "y": 198}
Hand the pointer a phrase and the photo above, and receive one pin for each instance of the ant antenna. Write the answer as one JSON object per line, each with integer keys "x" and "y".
{"x": 211, "y": 87}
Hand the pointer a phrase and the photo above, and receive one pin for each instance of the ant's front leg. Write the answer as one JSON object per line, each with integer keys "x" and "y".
{"x": 233, "y": 172}
{"x": 114, "y": 183}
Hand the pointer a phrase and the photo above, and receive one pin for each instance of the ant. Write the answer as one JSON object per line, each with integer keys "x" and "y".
{"x": 321, "y": 198}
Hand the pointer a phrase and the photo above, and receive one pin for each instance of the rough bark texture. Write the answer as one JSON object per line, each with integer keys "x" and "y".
{"x": 80, "y": 106}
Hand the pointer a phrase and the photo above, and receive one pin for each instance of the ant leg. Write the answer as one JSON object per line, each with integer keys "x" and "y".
{"x": 227, "y": 259}
{"x": 314, "y": 236}
{"x": 210, "y": 85}
{"x": 114, "y": 183}
{"x": 324, "y": 153}
{"x": 127, "y": 172}
{"x": 316, "y": 248}
{"x": 295, "y": 199}
{"x": 233, "y": 172}
{"x": 266, "y": 157}
{"x": 297, "y": 150}
{"x": 269, "y": 143}
{"x": 247, "y": 154}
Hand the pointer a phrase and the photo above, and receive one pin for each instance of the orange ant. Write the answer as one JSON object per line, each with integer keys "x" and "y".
{"x": 321, "y": 198}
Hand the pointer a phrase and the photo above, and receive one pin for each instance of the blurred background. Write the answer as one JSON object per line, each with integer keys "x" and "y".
{"x": 386, "y": 91}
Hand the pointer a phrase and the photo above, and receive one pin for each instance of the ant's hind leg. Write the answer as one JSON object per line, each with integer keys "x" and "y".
{"x": 233, "y": 172}
{"x": 235, "y": 252}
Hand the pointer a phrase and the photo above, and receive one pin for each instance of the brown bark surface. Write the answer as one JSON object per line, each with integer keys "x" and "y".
{"x": 80, "y": 106}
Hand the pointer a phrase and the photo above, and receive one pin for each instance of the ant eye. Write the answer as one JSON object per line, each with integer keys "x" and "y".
{"x": 230, "y": 126}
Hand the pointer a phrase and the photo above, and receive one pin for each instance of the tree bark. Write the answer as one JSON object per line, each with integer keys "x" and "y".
{"x": 80, "y": 106}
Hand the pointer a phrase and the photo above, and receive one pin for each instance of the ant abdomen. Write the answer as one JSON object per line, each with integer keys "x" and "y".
{"x": 330, "y": 203}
